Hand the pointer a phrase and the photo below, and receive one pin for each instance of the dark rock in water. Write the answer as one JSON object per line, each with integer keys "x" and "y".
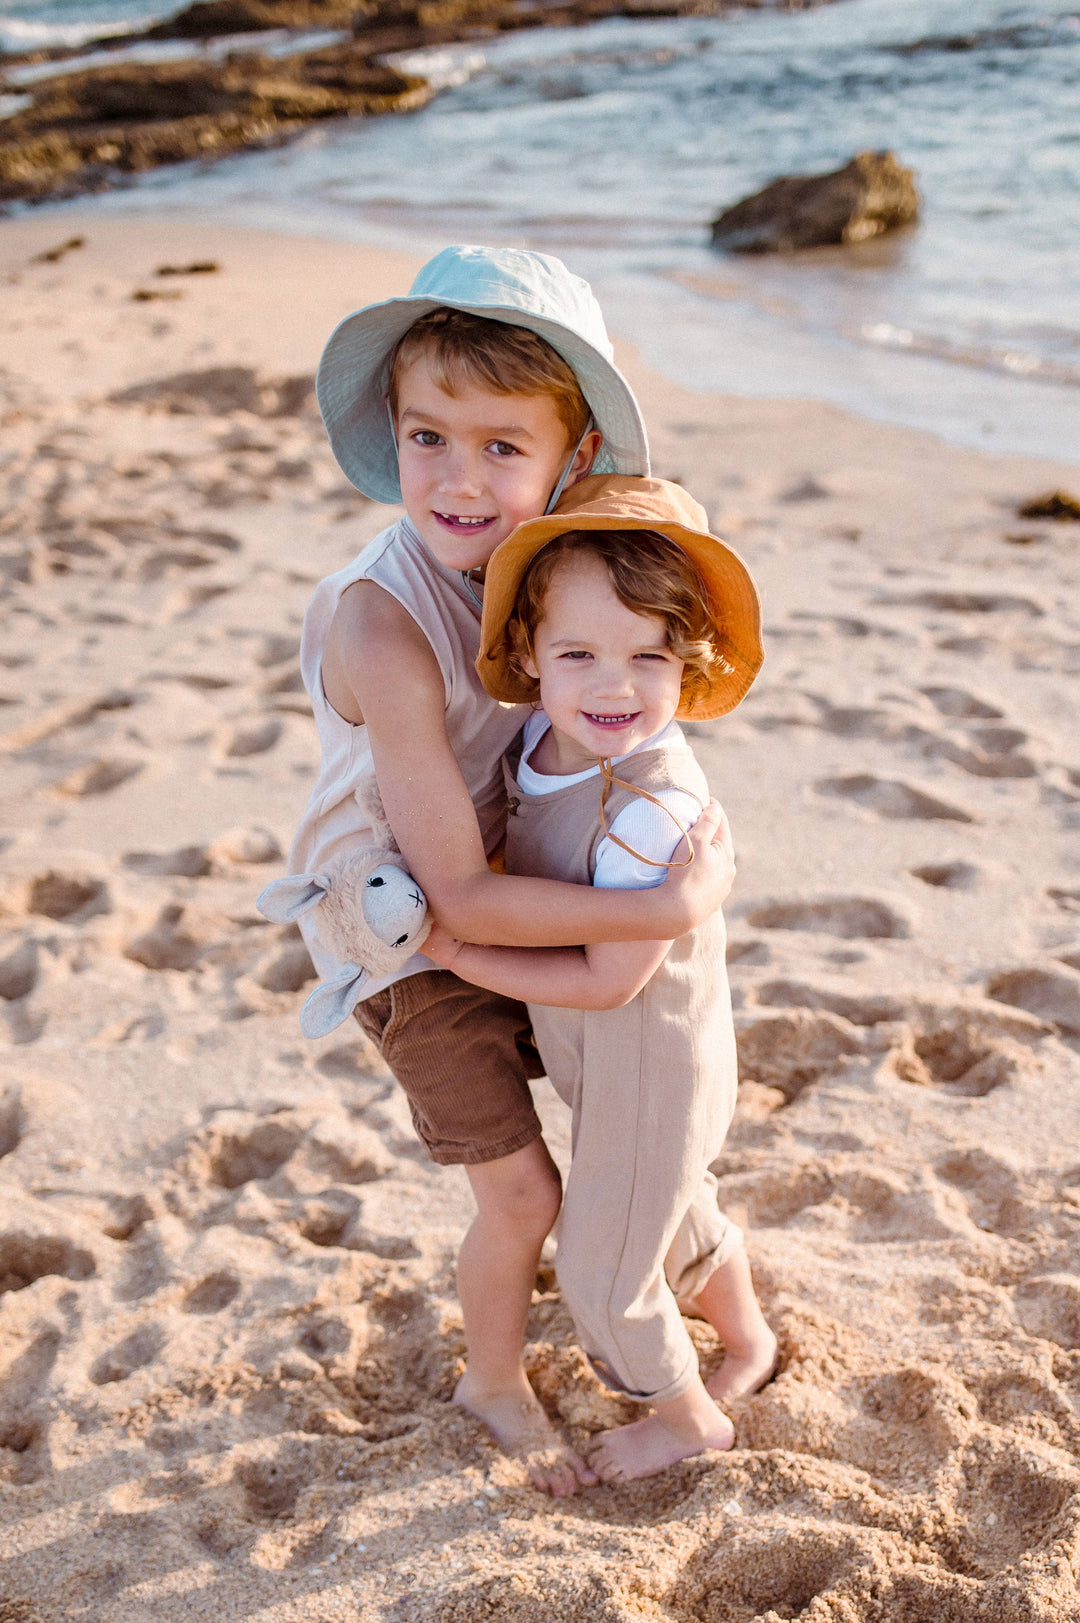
{"x": 1058, "y": 504}
{"x": 84, "y": 129}
{"x": 207, "y": 19}
{"x": 871, "y": 195}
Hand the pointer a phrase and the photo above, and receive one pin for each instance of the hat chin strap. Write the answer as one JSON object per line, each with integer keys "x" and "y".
{"x": 561, "y": 486}
{"x": 467, "y": 574}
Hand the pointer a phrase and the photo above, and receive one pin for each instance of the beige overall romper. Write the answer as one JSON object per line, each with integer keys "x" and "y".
{"x": 652, "y": 1090}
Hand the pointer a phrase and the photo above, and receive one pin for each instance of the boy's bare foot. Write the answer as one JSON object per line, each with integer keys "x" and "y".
{"x": 746, "y": 1369}
{"x": 521, "y": 1428}
{"x": 651, "y": 1445}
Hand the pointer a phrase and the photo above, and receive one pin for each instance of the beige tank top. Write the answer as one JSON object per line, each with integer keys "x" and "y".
{"x": 479, "y": 728}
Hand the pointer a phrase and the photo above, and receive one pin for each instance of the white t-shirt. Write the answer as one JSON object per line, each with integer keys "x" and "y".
{"x": 641, "y": 825}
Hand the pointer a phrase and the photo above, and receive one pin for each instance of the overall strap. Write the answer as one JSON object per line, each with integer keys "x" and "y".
{"x": 611, "y": 781}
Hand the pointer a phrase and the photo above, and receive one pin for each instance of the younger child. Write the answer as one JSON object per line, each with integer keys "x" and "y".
{"x": 618, "y": 613}
{"x": 474, "y": 401}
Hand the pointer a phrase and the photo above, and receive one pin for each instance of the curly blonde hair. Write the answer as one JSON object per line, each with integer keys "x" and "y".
{"x": 649, "y": 575}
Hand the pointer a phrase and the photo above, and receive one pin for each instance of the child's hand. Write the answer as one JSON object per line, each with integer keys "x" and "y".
{"x": 441, "y": 947}
{"x": 706, "y": 882}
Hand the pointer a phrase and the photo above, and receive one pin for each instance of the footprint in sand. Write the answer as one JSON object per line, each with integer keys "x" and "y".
{"x": 288, "y": 968}
{"x": 97, "y": 778}
{"x": 790, "y": 1050}
{"x": 761, "y": 1573}
{"x": 12, "y": 1122}
{"x": 275, "y": 649}
{"x": 959, "y": 602}
{"x": 246, "y": 846}
{"x": 189, "y": 599}
{"x": 254, "y": 736}
{"x": 26, "y": 1256}
{"x": 18, "y": 976}
{"x": 23, "y": 1423}
{"x": 1009, "y": 1511}
{"x": 240, "y": 1148}
{"x": 187, "y": 862}
{"x": 835, "y": 625}
{"x": 1052, "y": 994}
{"x": 960, "y": 705}
{"x": 166, "y": 944}
{"x": 288, "y": 681}
{"x": 958, "y": 875}
{"x": 861, "y": 1008}
{"x": 68, "y": 714}
{"x": 850, "y": 917}
{"x": 892, "y": 797}
{"x": 994, "y": 752}
{"x": 137, "y": 1350}
{"x": 273, "y": 1482}
{"x": 1049, "y": 1307}
{"x": 992, "y": 1191}
{"x": 56, "y": 895}
{"x": 218, "y": 390}
{"x": 212, "y": 1294}
{"x": 961, "y": 1051}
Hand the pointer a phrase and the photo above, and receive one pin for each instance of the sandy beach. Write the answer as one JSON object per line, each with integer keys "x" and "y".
{"x": 228, "y": 1330}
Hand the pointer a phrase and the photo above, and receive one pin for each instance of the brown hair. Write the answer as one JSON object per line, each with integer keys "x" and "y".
{"x": 649, "y": 575}
{"x": 490, "y": 355}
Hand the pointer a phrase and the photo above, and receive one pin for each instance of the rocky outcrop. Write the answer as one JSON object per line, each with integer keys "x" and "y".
{"x": 85, "y": 129}
{"x": 867, "y": 197}
{"x": 209, "y": 19}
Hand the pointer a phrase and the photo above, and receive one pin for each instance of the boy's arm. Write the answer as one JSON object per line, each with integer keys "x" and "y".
{"x": 605, "y": 975}
{"x": 379, "y": 655}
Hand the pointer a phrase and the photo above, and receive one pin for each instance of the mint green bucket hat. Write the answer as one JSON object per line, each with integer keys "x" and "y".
{"x": 505, "y": 284}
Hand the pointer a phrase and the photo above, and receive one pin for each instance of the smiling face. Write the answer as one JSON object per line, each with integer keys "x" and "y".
{"x": 608, "y": 678}
{"x": 475, "y": 464}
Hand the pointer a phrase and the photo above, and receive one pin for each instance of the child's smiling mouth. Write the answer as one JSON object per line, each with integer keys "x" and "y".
{"x": 462, "y": 524}
{"x": 612, "y": 722}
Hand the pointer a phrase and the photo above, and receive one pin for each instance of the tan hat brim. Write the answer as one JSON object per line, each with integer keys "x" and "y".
{"x": 614, "y": 503}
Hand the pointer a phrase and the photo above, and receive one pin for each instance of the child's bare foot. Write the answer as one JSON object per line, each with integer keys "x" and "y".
{"x": 746, "y": 1368}
{"x": 520, "y": 1427}
{"x": 676, "y": 1431}
{"x": 751, "y": 1353}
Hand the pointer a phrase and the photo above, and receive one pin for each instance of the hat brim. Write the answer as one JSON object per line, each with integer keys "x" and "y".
{"x": 353, "y": 377}
{"x": 734, "y": 604}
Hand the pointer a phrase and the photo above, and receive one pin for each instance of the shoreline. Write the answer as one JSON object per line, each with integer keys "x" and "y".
{"x": 401, "y": 247}
{"x": 228, "y": 1333}
{"x": 715, "y": 332}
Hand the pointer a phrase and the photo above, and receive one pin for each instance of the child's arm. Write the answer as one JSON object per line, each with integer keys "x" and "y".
{"x": 605, "y": 975}
{"x": 378, "y": 658}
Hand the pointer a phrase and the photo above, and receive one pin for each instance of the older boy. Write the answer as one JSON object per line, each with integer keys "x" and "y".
{"x": 474, "y": 401}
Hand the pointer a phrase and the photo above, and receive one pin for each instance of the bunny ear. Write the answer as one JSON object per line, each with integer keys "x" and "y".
{"x": 288, "y": 899}
{"x": 333, "y": 1001}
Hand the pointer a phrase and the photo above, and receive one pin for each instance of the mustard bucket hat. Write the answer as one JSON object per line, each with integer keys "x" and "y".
{"x": 607, "y": 502}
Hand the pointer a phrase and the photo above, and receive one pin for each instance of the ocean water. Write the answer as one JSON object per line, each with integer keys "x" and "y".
{"x": 615, "y": 145}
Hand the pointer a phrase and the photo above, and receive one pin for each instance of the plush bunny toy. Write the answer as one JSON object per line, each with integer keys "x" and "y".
{"x": 372, "y": 917}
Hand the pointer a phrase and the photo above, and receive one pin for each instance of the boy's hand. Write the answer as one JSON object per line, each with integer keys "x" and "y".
{"x": 705, "y": 884}
{"x": 442, "y": 947}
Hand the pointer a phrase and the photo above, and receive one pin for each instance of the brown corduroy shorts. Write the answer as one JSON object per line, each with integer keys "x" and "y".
{"x": 464, "y": 1058}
